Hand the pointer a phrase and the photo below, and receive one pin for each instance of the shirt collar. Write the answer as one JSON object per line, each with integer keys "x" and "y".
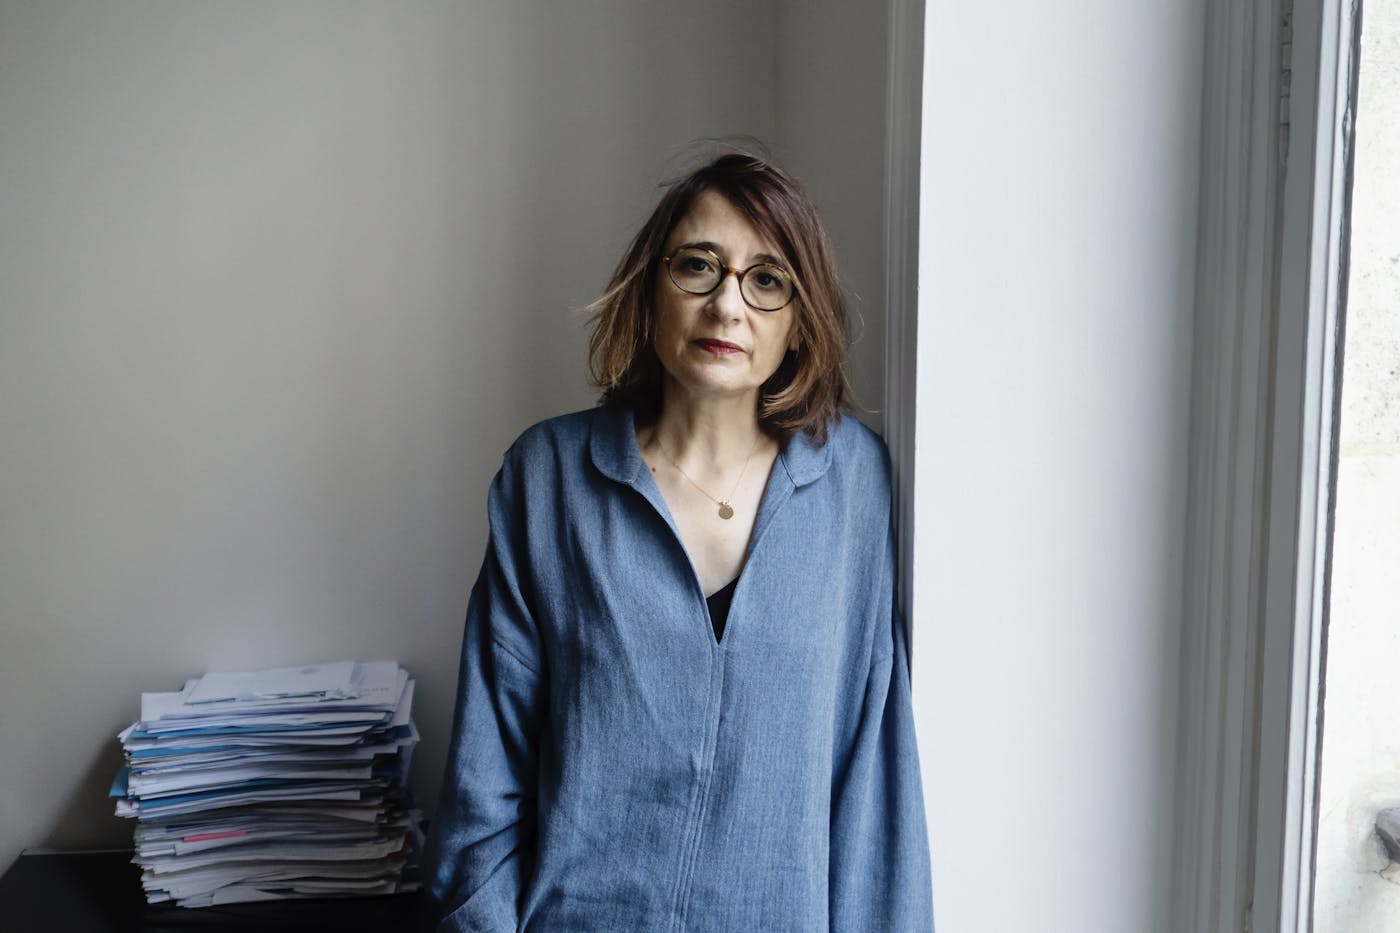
{"x": 613, "y": 445}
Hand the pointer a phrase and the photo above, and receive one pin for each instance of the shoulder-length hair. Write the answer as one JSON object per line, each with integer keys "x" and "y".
{"x": 809, "y": 388}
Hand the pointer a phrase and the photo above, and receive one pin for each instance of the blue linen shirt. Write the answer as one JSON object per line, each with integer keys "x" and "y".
{"x": 613, "y": 767}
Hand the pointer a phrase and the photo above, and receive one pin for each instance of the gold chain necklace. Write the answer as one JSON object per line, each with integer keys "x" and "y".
{"x": 726, "y": 511}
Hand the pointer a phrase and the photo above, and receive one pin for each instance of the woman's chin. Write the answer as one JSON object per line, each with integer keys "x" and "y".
{"x": 709, "y": 386}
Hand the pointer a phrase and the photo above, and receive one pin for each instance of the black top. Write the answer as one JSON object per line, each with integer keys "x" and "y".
{"x": 719, "y": 606}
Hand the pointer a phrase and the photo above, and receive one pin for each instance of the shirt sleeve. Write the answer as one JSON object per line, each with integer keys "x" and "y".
{"x": 480, "y": 848}
{"x": 879, "y": 861}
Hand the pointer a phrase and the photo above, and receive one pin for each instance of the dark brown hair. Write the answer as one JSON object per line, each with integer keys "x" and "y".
{"x": 809, "y": 387}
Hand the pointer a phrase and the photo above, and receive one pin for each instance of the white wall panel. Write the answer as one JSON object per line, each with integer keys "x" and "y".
{"x": 1057, "y": 236}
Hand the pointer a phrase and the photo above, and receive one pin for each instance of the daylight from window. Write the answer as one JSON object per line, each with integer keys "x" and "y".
{"x": 1358, "y": 883}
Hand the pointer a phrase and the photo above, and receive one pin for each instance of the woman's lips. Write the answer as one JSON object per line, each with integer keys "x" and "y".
{"x": 719, "y": 347}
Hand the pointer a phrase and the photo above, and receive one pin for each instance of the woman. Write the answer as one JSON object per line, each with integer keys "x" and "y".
{"x": 684, "y": 700}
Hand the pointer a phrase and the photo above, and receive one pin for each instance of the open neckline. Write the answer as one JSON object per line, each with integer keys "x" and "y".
{"x": 616, "y": 453}
{"x": 719, "y": 603}
{"x": 728, "y": 587}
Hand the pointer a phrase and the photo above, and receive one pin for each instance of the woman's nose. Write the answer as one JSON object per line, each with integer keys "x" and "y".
{"x": 727, "y": 300}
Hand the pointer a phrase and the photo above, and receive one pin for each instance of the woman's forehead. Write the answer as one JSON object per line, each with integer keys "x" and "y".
{"x": 717, "y": 224}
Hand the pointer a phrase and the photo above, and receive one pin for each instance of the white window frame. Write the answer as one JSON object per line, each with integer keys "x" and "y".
{"x": 1227, "y": 506}
{"x": 1312, "y": 245}
{"x": 1275, "y": 161}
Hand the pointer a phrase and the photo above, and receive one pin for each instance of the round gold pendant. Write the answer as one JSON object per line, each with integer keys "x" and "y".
{"x": 725, "y": 510}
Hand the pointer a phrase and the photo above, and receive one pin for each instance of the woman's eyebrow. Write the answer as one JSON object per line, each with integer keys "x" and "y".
{"x": 715, "y": 248}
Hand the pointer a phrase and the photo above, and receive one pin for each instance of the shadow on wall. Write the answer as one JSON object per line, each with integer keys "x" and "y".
{"x": 83, "y": 815}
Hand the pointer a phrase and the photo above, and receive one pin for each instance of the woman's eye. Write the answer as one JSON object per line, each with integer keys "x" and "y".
{"x": 767, "y": 280}
{"x": 699, "y": 265}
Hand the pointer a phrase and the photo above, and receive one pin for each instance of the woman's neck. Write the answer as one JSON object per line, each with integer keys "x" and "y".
{"x": 714, "y": 431}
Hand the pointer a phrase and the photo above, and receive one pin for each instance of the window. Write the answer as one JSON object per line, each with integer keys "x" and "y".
{"x": 1189, "y": 681}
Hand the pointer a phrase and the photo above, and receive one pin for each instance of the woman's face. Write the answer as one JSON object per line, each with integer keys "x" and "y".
{"x": 716, "y": 346}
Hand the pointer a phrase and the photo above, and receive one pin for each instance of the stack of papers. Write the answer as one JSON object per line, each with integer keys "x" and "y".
{"x": 274, "y": 784}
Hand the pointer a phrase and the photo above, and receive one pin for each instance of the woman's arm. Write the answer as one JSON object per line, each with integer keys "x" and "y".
{"x": 879, "y": 868}
{"x": 480, "y": 847}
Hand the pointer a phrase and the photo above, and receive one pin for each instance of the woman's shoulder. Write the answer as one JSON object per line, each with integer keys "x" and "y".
{"x": 855, "y": 446}
{"x": 571, "y": 428}
{"x": 563, "y": 442}
{"x": 851, "y": 457}
{"x": 551, "y": 438}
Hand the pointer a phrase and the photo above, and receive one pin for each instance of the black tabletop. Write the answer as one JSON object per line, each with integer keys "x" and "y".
{"x": 98, "y": 892}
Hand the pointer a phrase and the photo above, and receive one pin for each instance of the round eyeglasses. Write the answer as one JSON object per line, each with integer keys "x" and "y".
{"x": 697, "y": 271}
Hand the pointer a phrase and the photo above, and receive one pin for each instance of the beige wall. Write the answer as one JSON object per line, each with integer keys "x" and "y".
{"x": 830, "y": 94}
{"x": 280, "y": 282}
